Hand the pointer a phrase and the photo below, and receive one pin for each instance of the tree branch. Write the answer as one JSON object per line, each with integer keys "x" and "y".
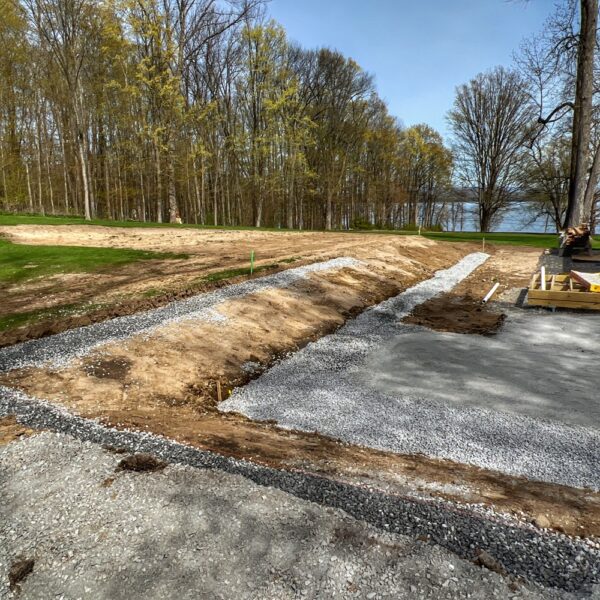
{"x": 549, "y": 118}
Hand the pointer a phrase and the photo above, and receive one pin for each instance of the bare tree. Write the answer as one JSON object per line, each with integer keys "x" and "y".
{"x": 580, "y": 202}
{"x": 62, "y": 27}
{"x": 491, "y": 122}
{"x": 545, "y": 177}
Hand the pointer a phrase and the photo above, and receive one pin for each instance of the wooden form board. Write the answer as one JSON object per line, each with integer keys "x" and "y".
{"x": 561, "y": 291}
{"x": 590, "y": 281}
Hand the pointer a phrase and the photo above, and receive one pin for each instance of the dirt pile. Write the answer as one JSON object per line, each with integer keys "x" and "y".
{"x": 458, "y": 314}
{"x": 461, "y": 310}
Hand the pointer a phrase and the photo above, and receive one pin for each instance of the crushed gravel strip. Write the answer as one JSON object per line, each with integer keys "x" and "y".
{"x": 188, "y": 533}
{"x": 548, "y": 559}
{"x": 58, "y": 350}
{"x": 325, "y": 387}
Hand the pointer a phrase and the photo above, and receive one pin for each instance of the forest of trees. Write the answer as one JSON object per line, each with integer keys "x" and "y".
{"x": 204, "y": 111}
{"x": 200, "y": 110}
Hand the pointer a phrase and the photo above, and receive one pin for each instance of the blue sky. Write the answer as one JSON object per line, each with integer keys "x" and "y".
{"x": 418, "y": 50}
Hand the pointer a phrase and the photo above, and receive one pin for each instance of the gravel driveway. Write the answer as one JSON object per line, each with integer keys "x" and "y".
{"x": 182, "y": 532}
{"x": 500, "y": 403}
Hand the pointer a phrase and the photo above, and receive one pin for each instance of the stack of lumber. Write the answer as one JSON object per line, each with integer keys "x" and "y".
{"x": 590, "y": 281}
{"x": 563, "y": 291}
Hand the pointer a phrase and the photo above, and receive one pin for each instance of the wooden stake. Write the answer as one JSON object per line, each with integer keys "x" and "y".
{"x": 219, "y": 397}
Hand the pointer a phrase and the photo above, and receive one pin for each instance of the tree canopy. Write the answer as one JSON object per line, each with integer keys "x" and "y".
{"x": 200, "y": 110}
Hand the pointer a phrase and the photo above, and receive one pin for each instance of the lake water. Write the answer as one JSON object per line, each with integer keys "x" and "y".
{"x": 518, "y": 217}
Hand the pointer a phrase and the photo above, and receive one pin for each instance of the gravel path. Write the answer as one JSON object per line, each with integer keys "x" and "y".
{"x": 549, "y": 559}
{"x": 151, "y": 535}
{"x": 58, "y": 350}
{"x": 329, "y": 387}
{"x": 188, "y": 533}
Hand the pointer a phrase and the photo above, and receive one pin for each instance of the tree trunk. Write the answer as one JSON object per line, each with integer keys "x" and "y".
{"x": 81, "y": 141}
{"x": 65, "y": 177}
{"x": 290, "y": 198}
{"x": 159, "y": 206}
{"x": 107, "y": 203}
{"x": 590, "y": 190}
{"x": 29, "y": 186}
{"x": 50, "y": 189}
{"x": 582, "y": 115}
{"x": 84, "y": 178}
{"x": 485, "y": 214}
{"x": 329, "y": 210}
{"x": 259, "y": 210}
{"x": 172, "y": 194}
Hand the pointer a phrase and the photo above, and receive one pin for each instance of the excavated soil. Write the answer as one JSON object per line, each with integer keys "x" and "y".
{"x": 94, "y": 297}
{"x": 11, "y": 430}
{"x": 462, "y": 311}
{"x": 459, "y": 314}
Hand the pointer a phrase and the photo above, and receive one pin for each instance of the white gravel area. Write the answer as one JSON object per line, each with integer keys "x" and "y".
{"x": 334, "y": 386}
{"x": 540, "y": 364}
{"x": 191, "y": 533}
{"x": 58, "y": 350}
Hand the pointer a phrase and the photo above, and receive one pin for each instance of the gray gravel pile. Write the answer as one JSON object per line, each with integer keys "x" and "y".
{"x": 330, "y": 386}
{"x": 549, "y": 559}
{"x": 57, "y": 350}
{"x": 188, "y": 533}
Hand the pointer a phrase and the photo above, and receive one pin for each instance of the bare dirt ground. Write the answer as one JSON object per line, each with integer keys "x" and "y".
{"x": 179, "y": 364}
{"x": 11, "y": 430}
{"x": 461, "y": 310}
{"x": 400, "y": 259}
{"x": 168, "y": 382}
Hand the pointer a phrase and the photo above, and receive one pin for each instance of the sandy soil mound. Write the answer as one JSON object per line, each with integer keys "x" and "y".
{"x": 94, "y": 297}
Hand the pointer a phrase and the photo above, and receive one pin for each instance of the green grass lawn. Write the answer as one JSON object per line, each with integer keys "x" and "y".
{"x": 19, "y": 262}
{"x": 537, "y": 240}
{"x": 31, "y": 316}
{"x": 13, "y": 219}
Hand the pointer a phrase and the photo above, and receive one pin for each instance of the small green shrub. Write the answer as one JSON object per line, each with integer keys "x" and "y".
{"x": 362, "y": 224}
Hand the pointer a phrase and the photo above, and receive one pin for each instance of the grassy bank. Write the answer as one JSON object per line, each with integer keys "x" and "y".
{"x": 538, "y": 240}
{"x": 19, "y": 262}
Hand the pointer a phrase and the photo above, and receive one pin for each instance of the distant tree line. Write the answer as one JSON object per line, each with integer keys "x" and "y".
{"x": 200, "y": 110}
